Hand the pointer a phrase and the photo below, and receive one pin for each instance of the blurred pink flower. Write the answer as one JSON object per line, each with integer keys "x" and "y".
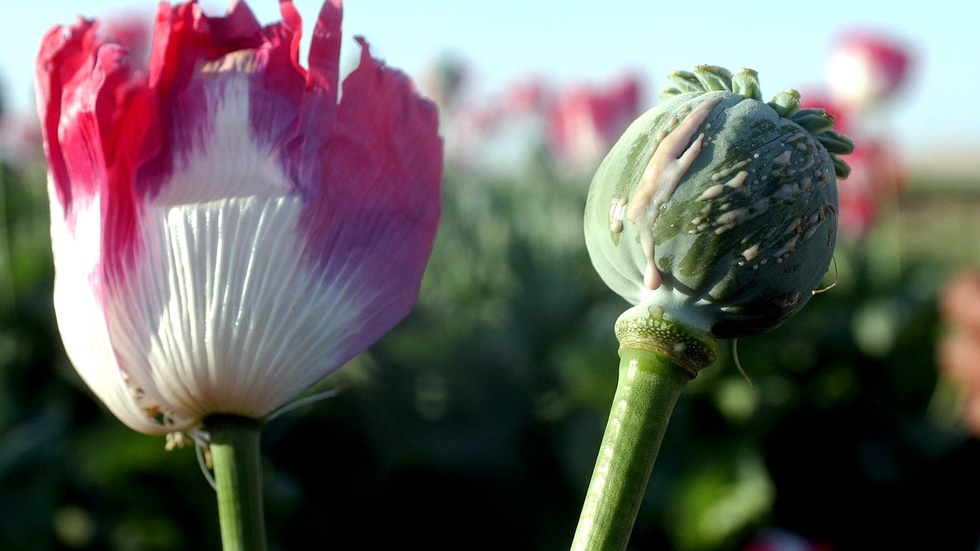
{"x": 876, "y": 177}
{"x": 498, "y": 134}
{"x": 585, "y": 122}
{"x": 573, "y": 127}
{"x": 20, "y": 135}
{"x": 20, "y": 140}
{"x": 959, "y": 350}
{"x": 226, "y": 232}
{"x": 877, "y": 173}
{"x": 867, "y": 67}
{"x": 525, "y": 96}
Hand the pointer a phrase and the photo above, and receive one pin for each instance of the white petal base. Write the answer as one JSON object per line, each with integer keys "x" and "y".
{"x": 82, "y": 320}
{"x": 224, "y": 314}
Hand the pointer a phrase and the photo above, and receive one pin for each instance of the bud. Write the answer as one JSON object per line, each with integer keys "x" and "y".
{"x": 716, "y": 208}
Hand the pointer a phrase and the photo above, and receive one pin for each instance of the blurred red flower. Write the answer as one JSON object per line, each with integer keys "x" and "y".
{"x": 867, "y": 67}
{"x": 584, "y": 122}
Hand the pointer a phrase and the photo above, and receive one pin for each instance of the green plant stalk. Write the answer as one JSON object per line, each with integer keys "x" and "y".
{"x": 658, "y": 358}
{"x": 235, "y": 456}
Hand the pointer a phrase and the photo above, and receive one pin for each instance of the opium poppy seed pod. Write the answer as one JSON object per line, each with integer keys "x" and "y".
{"x": 716, "y": 209}
{"x": 226, "y": 228}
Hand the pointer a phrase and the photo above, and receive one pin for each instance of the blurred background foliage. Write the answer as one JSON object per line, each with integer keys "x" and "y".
{"x": 475, "y": 423}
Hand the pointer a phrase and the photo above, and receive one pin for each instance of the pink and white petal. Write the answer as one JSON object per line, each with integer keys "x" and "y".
{"x": 225, "y": 315}
{"x": 324, "y": 56}
{"x": 236, "y": 234}
{"x": 222, "y": 312}
{"x": 65, "y": 51}
{"x": 97, "y": 117}
{"x": 82, "y": 320}
{"x": 371, "y": 225}
{"x": 183, "y": 37}
{"x": 221, "y": 155}
{"x": 301, "y": 152}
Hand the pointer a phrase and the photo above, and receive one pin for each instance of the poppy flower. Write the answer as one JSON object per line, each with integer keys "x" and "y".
{"x": 226, "y": 231}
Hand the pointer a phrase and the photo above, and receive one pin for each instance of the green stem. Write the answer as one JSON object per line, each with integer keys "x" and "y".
{"x": 237, "y": 471}
{"x": 657, "y": 358}
{"x": 645, "y": 396}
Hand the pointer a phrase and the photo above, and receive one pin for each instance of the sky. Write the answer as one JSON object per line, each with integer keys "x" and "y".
{"x": 567, "y": 41}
